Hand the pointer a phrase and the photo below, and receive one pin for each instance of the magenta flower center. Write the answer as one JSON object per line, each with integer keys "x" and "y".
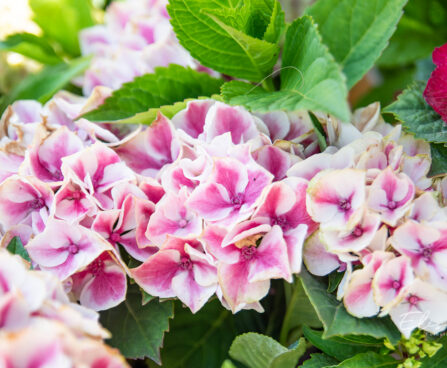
{"x": 96, "y": 267}
{"x": 115, "y": 237}
{"x": 358, "y": 231}
{"x": 426, "y": 253}
{"x": 413, "y": 300}
{"x": 58, "y": 175}
{"x": 396, "y": 285}
{"x": 392, "y": 205}
{"x": 73, "y": 248}
{"x": 344, "y": 205}
{"x": 182, "y": 223}
{"x": 248, "y": 252}
{"x": 76, "y": 195}
{"x": 281, "y": 221}
{"x": 36, "y": 204}
{"x": 185, "y": 263}
{"x": 237, "y": 200}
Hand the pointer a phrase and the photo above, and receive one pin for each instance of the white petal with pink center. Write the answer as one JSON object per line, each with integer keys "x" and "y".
{"x": 336, "y": 198}
{"x": 317, "y": 259}
{"x": 390, "y": 195}
{"x": 64, "y": 248}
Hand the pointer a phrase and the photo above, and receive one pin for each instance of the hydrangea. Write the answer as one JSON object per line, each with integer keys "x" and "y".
{"x": 39, "y": 326}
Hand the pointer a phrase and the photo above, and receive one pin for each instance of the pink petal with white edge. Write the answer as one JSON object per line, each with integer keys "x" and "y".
{"x": 391, "y": 194}
{"x": 295, "y": 240}
{"x": 101, "y": 285}
{"x": 143, "y": 212}
{"x": 426, "y": 246}
{"x": 123, "y": 190}
{"x": 223, "y": 118}
{"x": 336, "y": 198}
{"x": 270, "y": 258}
{"x": 423, "y": 307}
{"x": 358, "y": 298}
{"x": 20, "y": 198}
{"x": 44, "y": 157}
{"x": 173, "y": 217}
{"x": 391, "y": 279}
{"x": 273, "y": 159}
{"x": 213, "y": 237}
{"x": 317, "y": 259}
{"x": 72, "y": 203}
{"x": 151, "y": 149}
{"x": 245, "y": 229}
{"x": 192, "y": 119}
{"x": 65, "y": 248}
{"x": 153, "y": 190}
{"x": 354, "y": 240}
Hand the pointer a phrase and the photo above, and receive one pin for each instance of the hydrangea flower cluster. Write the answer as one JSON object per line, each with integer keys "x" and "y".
{"x": 219, "y": 201}
{"x": 40, "y": 327}
{"x": 135, "y": 38}
{"x": 435, "y": 92}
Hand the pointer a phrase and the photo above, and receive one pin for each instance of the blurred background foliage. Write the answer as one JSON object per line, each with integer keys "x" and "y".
{"x": 41, "y": 36}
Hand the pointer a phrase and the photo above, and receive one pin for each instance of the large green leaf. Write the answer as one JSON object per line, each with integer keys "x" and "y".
{"x": 337, "y": 321}
{"x": 417, "y": 116}
{"x": 210, "y": 32}
{"x": 341, "y": 348}
{"x": 61, "y": 20}
{"x": 137, "y": 330}
{"x": 43, "y": 85}
{"x": 203, "y": 339}
{"x": 15, "y": 246}
{"x": 276, "y": 25}
{"x": 31, "y": 46}
{"x": 165, "y": 86}
{"x": 356, "y": 31}
{"x": 438, "y": 159}
{"x": 310, "y": 78}
{"x": 260, "y": 351}
{"x": 319, "y": 361}
{"x": 369, "y": 360}
{"x": 299, "y": 312}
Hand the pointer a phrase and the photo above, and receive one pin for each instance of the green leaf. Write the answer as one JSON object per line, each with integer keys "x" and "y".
{"x": 417, "y": 116}
{"x": 277, "y": 24}
{"x": 299, "y": 312}
{"x": 15, "y": 246}
{"x": 337, "y": 321}
{"x": 202, "y": 339}
{"x": 260, "y": 351}
{"x": 356, "y": 31}
{"x": 137, "y": 330}
{"x": 31, "y": 46}
{"x": 310, "y": 78}
{"x": 43, "y": 85}
{"x": 369, "y": 360}
{"x": 438, "y": 159}
{"x": 319, "y": 361}
{"x": 145, "y": 297}
{"x": 165, "y": 86}
{"x": 228, "y": 364}
{"x": 334, "y": 280}
{"x": 200, "y": 27}
{"x": 341, "y": 348}
{"x": 319, "y": 131}
{"x": 61, "y": 20}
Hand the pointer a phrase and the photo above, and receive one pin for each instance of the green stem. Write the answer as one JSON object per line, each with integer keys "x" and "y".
{"x": 268, "y": 84}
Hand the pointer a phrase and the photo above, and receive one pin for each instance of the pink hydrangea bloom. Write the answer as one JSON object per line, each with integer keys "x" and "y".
{"x": 435, "y": 92}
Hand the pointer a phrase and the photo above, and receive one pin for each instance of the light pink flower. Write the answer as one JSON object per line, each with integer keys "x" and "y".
{"x": 101, "y": 285}
{"x": 64, "y": 248}
{"x": 245, "y": 268}
{"x": 192, "y": 119}
{"x": 358, "y": 298}
{"x": 97, "y": 169}
{"x": 25, "y": 200}
{"x": 173, "y": 217}
{"x": 317, "y": 259}
{"x": 390, "y": 195}
{"x": 426, "y": 246}
{"x": 9, "y": 164}
{"x": 336, "y": 198}
{"x": 152, "y": 148}
{"x": 273, "y": 159}
{"x": 182, "y": 269}
{"x": 231, "y": 192}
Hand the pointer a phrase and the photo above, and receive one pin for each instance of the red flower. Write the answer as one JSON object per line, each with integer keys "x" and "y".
{"x": 436, "y": 91}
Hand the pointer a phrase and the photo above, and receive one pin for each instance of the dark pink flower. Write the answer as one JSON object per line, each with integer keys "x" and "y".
{"x": 436, "y": 91}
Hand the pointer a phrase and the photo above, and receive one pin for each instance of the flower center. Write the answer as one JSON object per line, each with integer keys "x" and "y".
{"x": 115, "y": 237}
{"x": 344, "y": 205}
{"x": 413, "y": 300}
{"x": 58, "y": 175}
{"x": 395, "y": 285}
{"x": 73, "y": 248}
{"x": 392, "y": 205}
{"x": 36, "y": 204}
{"x": 358, "y": 231}
{"x": 281, "y": 221}
{"x": 76, "y": 196}
{"x": 248, "y": 252}
{"x": 185, "y": 263}
{"x": 182, "y": 223}
{"x": 96, "y": 267}
{"x": 426, "y": 253}
{"x": 237, "y": 200}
